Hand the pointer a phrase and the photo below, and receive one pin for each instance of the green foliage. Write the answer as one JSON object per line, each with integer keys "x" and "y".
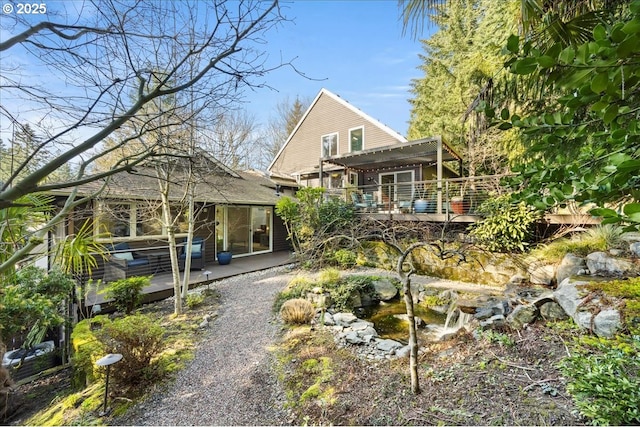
{"x": 139, "y": 339}
{"x": 497, "y": 338}
{"x": 582, "y": 141}
{"x": 87, "y": 349}
{"x": 31, "y": 300}
{"x": 604, "y": 379}
{"x": 297, "y": 288}
{"x": 329, "y": 276}
{"x": 17, "y": 221}
{"x": 194, "y": 300}
{"x": 345, "y": 258}
{"x": 598, "y": 238}
{"x": 127, "y": 293}
{"x": 459, "y": 59}
{"x": 76, "y": 253}
{"x": 506, "y": 226}
{"x": 311, "y": 221}
{"x": 341, "y": 289}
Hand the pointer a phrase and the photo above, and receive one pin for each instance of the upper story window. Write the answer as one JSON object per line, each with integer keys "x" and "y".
{"x": 356, "y": 139}
{"x": 330, "y": 145}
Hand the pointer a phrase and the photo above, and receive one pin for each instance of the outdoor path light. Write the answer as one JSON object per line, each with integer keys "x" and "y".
{"x": 107, "y": 361}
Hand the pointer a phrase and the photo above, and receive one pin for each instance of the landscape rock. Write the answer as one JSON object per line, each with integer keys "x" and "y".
{"x": 541, "y": 274}
{"x": 606, "y": 323}
{"x": 387, "y": 345}
{"x": 385, "y": 289}
{"x": 570, "y": 265}
{"x": 344, "y": 319}
{"x": 552, "y": 311}
{"x": 603, "y": 263}
{"x": 634, "y": 248}
{"x": 567, "y": 295}
{"x": 522, "y": 315}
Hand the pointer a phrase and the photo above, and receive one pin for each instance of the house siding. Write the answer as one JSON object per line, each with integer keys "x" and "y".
{"x": 326, "y": 116}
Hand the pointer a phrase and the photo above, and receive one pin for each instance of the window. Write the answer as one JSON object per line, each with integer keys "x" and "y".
{"x": 356, "y": 139}
{"x": 126, "y": 220}
{"x": 330, "y": 145}
{"x": 353, "y": 178}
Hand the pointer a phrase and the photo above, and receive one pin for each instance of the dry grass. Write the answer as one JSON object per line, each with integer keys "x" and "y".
{"x": 297, "y": 311}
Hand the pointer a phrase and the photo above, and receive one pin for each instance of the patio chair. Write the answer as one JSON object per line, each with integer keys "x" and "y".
{"x": 370, "y": 202}
{"x": 197, "y": 253}
{"x": 358, "y": 201}
{"x": 124, "y": 262}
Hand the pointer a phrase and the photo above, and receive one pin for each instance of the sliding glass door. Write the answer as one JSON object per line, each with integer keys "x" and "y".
{"x": 244, "y": 229}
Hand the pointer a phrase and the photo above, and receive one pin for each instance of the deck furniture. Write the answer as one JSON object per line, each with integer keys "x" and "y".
{"x": 124, "y": 262}
{"x": 197, "y": 253}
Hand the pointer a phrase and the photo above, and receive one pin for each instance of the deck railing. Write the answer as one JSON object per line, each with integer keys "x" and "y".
{"x": 457, "y": 196}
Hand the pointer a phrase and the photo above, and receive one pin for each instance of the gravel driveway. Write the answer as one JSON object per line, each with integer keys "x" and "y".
{"x": 229, "y": 382}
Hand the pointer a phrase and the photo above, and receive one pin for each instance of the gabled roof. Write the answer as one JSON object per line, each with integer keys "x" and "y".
{"x": 344, "y": 103}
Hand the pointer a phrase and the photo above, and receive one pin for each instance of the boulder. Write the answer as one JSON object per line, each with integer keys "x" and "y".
{"x": 567, "y": 295}
{"x": 541, "y": 274}
{"x": 385, "y": 289}
{"x": 634, "y": 248}
{"x": 552, "y": 311}
{"x": 570, "y": 265}
{"x": 344, "y": 319}
{"x": 387, "y": 345}
{"x": 606, "y": 323}
{"x": 603, "y": 263}
{"x": 522, "y": 315}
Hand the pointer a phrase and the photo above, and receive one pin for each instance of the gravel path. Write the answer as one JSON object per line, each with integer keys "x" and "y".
{"x": 229, "y": 382}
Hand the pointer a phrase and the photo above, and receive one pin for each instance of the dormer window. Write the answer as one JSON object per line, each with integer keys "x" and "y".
{"x": 356, "y": 139}
{"x": 330, "y": 145}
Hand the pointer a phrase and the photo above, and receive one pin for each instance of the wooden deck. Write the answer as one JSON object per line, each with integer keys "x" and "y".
{"x": 162, "y": 286}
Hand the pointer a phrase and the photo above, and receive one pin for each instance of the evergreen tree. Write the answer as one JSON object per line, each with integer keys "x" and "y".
{"x": 460, "y": 59}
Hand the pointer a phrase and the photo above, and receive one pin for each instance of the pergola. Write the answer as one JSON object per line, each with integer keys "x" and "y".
{"x": 423, "y": 151}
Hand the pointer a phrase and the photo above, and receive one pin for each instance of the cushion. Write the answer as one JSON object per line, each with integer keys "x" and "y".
{"x": 137, "y": 262}
{"x": 124, "y": 255}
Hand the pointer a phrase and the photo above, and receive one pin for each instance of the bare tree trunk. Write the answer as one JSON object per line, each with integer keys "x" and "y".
{"x": 413, "y": 338}
{"x": 408, "y": 301}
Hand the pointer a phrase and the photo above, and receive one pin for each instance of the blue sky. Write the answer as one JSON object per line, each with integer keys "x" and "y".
{"x": 354, "y": 49}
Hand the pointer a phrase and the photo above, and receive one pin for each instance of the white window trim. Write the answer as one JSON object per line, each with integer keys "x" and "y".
{"x": 356, "y": 180}
{"x": 349, "y": 133}
{"x": 133, "y": 215}
{"x": 337, "y": 143}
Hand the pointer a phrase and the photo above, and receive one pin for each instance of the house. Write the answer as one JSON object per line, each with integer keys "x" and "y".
{"x": 337, "y": 146}
{"x": 233, "y": 211}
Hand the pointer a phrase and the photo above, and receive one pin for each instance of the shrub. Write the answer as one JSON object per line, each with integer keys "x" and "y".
{"x": 297, "y": 287}
{"x": 343, "y": 290}
{"x": 599, "y": 238}
{"x": 87, "y": 349}
{"x": 139, "y": 339}
{"x": 329, "y": 276}
{"x": 127, "y": 293}
{"x": 506, "y": 226}
{"x": 194, "y": 300}
{"x": 604, "y": 379}
{"x": 345, "y": 257}
{"x": 297, "y": 311}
